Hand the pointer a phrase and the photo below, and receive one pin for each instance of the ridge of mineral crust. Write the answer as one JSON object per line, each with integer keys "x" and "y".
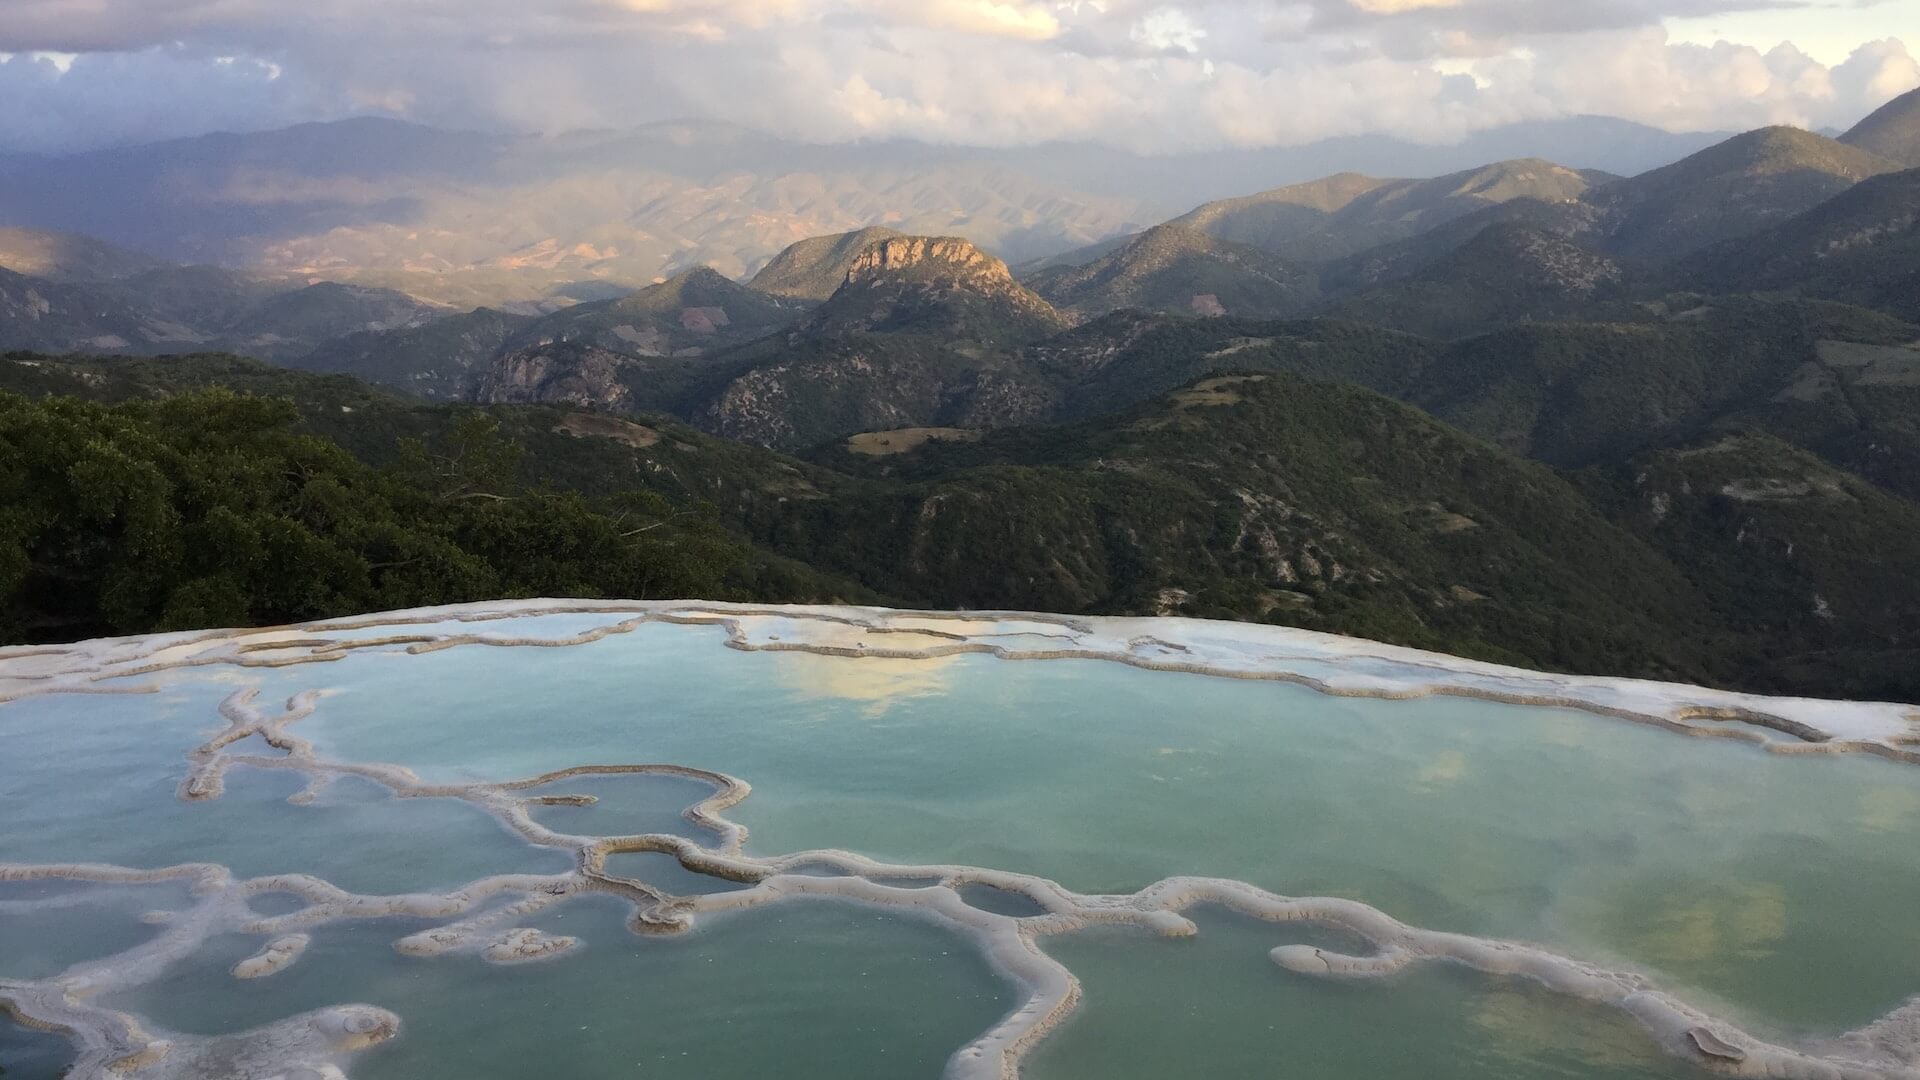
{"x": 489, "y": 917}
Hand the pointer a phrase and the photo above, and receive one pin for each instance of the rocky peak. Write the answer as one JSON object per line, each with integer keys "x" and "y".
{"x": 941, "y": 285}
{"x": 927, "y": 256}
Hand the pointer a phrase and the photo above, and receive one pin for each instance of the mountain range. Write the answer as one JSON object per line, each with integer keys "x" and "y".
{"x": 1646, "y": 423}
{"x": 475, "y": 219}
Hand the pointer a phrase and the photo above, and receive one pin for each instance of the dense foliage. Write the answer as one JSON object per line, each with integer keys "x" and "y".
{"x": 210, "y": 509}
{"x": 210, "y": 491}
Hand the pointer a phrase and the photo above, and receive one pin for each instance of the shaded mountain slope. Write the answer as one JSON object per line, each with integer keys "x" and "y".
{"x": 1892, "y": 132}
{"x": 1179, "y": 270}
{"x": 1343, "y": 215}
{"x": 68, "y": 257}
{"x": 1733, "y": 189}
{"x": 1775, "y": 538}
{"x": 1823, "y": 376}
{"x": 693, "y": 313}
{"x": 1507, "y": 274}
{"x": 1861, "y": 247}
{"x": 439, "y": 361}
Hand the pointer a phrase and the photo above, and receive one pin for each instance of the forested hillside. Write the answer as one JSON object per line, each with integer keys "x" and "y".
{"x": 1257, "y": 495}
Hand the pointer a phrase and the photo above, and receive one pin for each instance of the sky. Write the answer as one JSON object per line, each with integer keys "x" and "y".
{"x": 1156, "y": 76}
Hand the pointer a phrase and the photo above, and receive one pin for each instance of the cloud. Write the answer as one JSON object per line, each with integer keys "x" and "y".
{"x": 1158, "y": 75}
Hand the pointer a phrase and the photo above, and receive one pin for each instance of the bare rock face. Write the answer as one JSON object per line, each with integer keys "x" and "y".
{"x": 936, "y": 285}
{"x": 585, "y": 376}
{"x": 927, "y": 256}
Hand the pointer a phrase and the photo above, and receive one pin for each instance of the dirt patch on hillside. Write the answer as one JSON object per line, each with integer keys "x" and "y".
{"x": 594, "y": 426}
{"x": 905, "y": 440}
{"x": 1214, "y": 393}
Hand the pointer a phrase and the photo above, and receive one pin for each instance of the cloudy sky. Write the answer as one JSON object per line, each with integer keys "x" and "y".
{"x": 1149, "y": 75}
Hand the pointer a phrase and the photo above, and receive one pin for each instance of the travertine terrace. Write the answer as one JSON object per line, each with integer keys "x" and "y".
{"x": 490, "y": 917}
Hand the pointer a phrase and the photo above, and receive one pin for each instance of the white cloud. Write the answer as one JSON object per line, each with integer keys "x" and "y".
{"x": 1147, "y": 74}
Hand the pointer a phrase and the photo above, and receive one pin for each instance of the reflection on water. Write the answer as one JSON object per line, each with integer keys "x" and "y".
{"x": 876, "y": 684}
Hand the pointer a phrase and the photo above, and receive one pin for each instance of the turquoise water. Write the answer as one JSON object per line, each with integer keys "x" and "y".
{"x": 823, "y": 990}
{"x": 1775, "y": 890}
{"x": 1216, "y": 998}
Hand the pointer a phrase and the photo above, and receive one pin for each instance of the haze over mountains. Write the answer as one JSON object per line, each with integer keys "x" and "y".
{"x": 1711, "y": 366}
{"x": 476, "y": 219}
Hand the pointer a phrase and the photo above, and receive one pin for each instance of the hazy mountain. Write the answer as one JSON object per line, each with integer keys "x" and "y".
{"x": 1505, "y": 274}
{"x": 470, "y": 218}
{"x": 291, "y": 324}
{"x": 208, "y": 299}
{"x": 1348, "y": 213}
{"x": 52, "y": 316}
{"x": 182, "y": 308}
{"x": 439, "y": 361}
{"x": 1179, "y": 270}
{"x": 68, "y": 257}
{"x": 473, "y": 218}
{"x": 1729, "y": 190}
{"x": 1892, "y": 132}
{"x": 1861, "y": 247}
{"x": 1733, "y": 189}
{"x": 695, "y": 312}
{"x": 1610, "y": 146}
{"x": 814, "y": 269}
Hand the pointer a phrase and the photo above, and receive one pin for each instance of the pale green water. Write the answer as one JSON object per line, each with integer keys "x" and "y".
{"x": 824, "y": 990}
{"x": 1778, "y": 889}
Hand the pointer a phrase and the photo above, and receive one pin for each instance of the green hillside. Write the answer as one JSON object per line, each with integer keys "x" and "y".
{"x": 1179, "y": 271}
{"x": 1892, "y": 132}
{"x": 1258, "y": 496}
{"x": 1861, "y": 247}
{"x": 1506, "y": 275}
{"x": 1732, "y": 189}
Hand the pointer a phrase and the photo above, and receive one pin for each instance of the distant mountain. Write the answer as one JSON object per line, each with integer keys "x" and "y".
{"x": 467, "y": 218}
{"x": 208, "y": 299}
{"x": 1610, "y": 146}
{"x": 934, "y": 285}
{"x": 1506, "y": 274}
{"x": 52, "y": 316}
{"x": 1861, "y": 247}
{"x": 1345, "y": 214}
{"x": 68, "y": 257}
{"x": 1570, "y": 221}
{"x": 291, "y": 324}
{"x": 814, "y": 269}
{"x": 696, "y": 312}
{"x": 440, "y": 361}
{"x": 1892, "y": 132}
{"x": 392, "y": 205}
{"x": 1179, "y": 270}
{"x": 1733, "y": 189}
